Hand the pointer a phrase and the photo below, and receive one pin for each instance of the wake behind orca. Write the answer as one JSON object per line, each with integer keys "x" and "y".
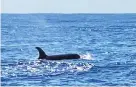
{"x": 42, "y": 55}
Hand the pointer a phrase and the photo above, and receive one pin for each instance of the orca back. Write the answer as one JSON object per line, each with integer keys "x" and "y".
{"x": 63, "y": 56}
{"x": 42, "y": 55}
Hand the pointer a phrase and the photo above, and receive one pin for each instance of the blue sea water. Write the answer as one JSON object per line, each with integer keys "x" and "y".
{"x": 109, "y": 40}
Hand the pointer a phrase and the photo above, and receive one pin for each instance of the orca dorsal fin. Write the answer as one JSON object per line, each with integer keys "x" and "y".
{"x": 42, "y": 54}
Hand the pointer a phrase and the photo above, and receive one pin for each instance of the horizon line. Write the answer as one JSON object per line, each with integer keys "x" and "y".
{"x": 69, "y": 13}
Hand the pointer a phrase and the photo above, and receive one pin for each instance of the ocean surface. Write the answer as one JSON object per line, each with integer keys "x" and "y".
{"x": 105, "y": 42}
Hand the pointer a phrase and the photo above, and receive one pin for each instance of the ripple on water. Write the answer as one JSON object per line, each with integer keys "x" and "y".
{"x": 37, "y": 70}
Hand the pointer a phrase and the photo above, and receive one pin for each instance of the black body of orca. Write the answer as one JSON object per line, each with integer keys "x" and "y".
{"x": 42, "y": 55}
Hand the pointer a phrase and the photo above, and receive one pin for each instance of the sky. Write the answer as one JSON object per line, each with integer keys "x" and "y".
{"x": 68, "y": 6}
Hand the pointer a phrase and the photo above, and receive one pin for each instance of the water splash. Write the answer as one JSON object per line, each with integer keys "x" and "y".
{"x": 87, "y": 56}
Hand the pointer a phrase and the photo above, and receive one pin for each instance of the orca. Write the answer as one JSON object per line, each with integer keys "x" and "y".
{"x": 42, "y": 55}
